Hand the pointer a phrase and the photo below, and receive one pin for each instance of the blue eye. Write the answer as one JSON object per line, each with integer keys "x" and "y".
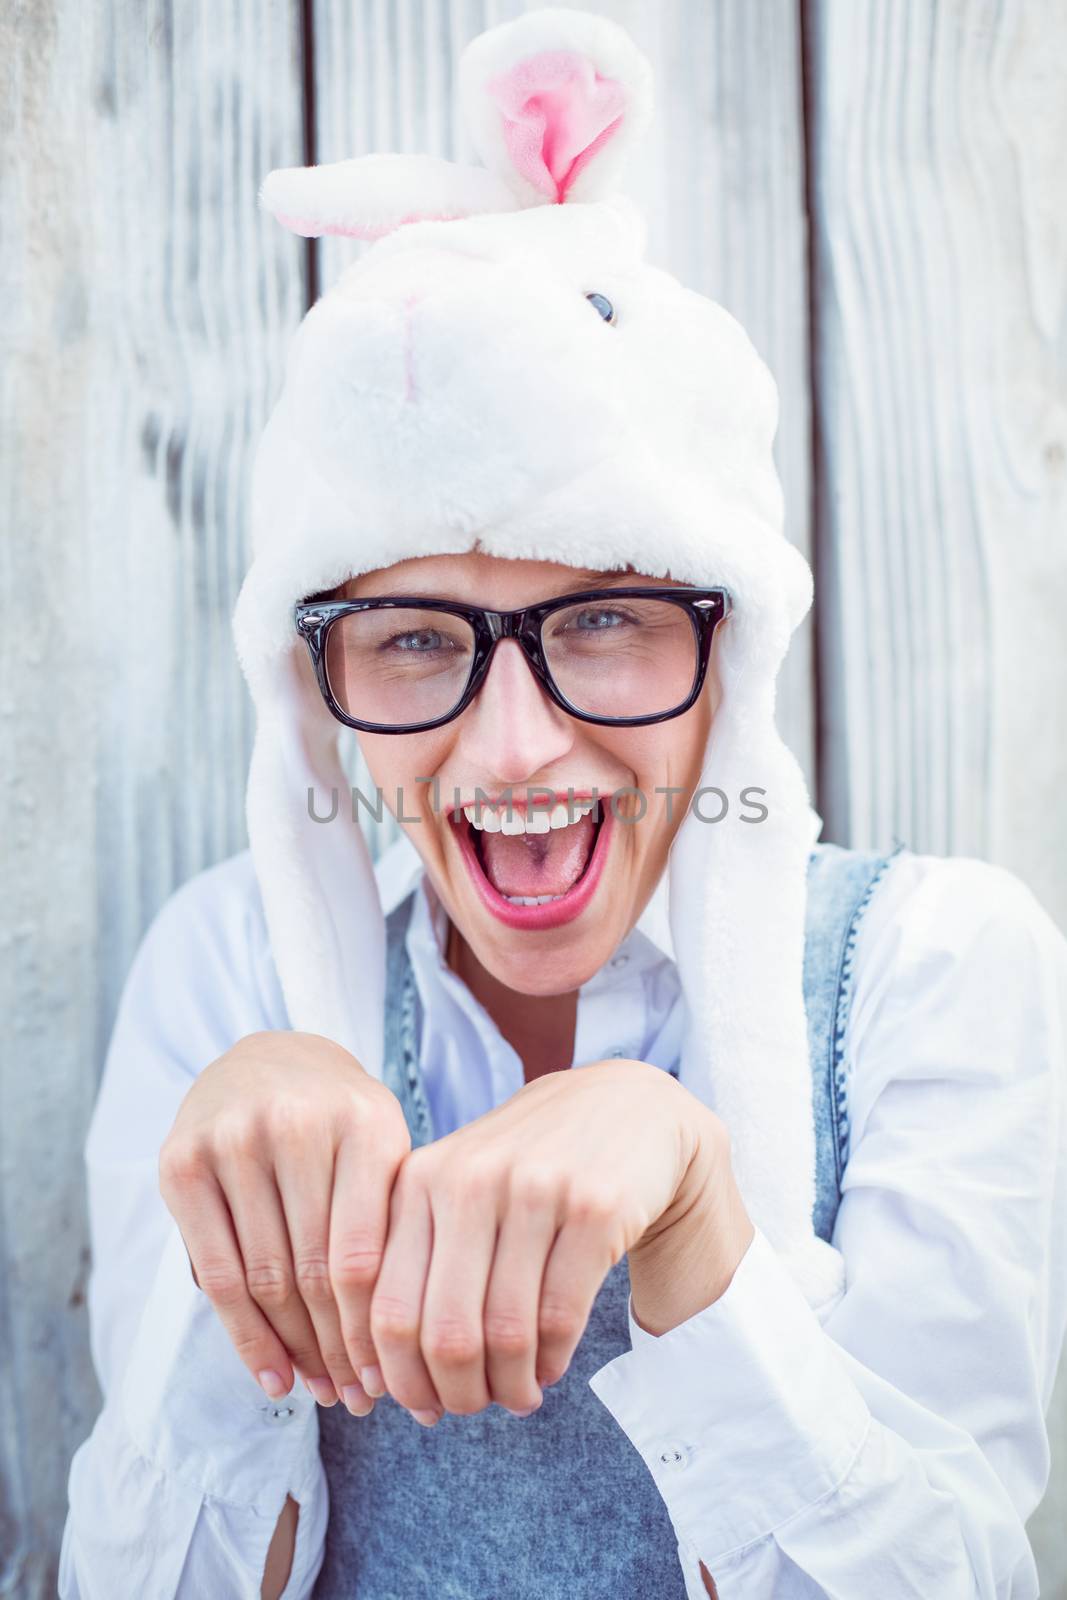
{"x": 603, "y": 305}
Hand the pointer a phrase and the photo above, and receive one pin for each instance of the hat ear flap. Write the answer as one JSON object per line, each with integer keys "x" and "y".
{"x": 554, "y": 101}
{"x": 369, "y": 196}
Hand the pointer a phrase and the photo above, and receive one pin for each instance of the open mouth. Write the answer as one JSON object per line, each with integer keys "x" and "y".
{"x": 538, "y": 867}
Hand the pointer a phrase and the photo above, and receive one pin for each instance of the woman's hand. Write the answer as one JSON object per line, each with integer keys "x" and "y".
{"x": 501, "y": 1233}
{"x": 278, "y": 1171}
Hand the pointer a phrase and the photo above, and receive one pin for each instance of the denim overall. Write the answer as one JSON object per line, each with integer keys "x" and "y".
{"x": 558, "y": 1505}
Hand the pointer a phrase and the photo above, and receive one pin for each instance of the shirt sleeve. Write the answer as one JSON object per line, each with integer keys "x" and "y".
{"x": 178, "y": 1489}
{"x": 899, "y": 1446}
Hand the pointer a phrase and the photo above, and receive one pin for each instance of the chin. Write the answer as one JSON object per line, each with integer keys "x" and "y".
{"x": 549, "y": 973}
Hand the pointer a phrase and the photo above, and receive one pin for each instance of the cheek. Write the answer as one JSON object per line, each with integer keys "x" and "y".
{"x": 381, "y": 763}
{"x": 697, "y": 738}
{"x": 667, "y": 753}
{"x": 395, "y": 762}
{"x": 691, "y": 735}
{"x": 669, "y": 757}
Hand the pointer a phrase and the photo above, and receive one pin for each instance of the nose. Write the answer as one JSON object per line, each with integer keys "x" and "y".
{"x": 512, "y": 730}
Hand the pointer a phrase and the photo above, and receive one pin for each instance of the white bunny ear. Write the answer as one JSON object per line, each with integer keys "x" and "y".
{"x": 554, "y": 101}
{"x": 370, "y": 196}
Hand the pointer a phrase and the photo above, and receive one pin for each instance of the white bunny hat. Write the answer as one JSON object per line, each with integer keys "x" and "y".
{"x": 457, "y": 389}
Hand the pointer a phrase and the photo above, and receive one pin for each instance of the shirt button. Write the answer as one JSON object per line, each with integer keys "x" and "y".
{"x": 618, "y": 961}
{"x": 277, "y": 1413}
{"x": 672, "y": 1454}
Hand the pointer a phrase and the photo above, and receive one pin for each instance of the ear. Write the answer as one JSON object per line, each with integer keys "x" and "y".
{"x": 370, "y": 196}
{"x": 554, "y": 101}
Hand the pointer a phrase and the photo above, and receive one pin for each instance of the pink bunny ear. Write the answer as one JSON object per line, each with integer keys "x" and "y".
{"x": 554, "y": 101}
{"x": 370, "y": 196}
{"x": 557, "y": 113}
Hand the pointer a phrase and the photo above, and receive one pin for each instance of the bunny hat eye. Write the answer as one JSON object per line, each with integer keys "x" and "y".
{"x": 603, "y": 305}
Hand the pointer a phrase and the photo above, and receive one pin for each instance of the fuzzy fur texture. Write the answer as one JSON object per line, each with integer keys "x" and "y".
{"x": 456, "y": 390}
{"x": 368, "y": 197}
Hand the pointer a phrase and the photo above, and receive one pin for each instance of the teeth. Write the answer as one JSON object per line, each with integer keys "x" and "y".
{"x": 531, "y": 899}
{"x": 537, "y": 820}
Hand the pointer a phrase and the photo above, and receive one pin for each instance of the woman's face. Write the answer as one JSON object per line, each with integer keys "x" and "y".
{"x": 512, "y": 736}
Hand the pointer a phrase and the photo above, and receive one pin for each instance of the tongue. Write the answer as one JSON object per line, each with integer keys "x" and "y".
{"x": 538, "y": 863}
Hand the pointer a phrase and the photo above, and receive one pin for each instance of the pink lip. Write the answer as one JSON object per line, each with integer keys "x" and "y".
{"x": 555, "y": 912}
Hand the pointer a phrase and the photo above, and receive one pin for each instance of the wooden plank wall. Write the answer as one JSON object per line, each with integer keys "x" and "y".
{"x": 938, "y": 191}
{"x": 145, "y": 312}
{"x": 939, "y": 201}
{"x": 916, "y": 334}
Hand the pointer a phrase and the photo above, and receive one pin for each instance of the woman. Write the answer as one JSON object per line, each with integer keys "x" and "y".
{"x": 769, "y": 1294}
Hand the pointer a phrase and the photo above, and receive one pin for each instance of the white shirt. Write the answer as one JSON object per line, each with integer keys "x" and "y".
{"x": 632, "y": 1007}
{"x": 896, "y": 1449}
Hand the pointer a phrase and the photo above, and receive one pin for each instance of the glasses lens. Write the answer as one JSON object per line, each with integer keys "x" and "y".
{"x": 622, "y": 657}
{"x": 398, "y": 665}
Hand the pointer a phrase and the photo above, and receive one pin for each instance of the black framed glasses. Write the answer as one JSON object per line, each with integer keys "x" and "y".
{"x": 621, "y": 657}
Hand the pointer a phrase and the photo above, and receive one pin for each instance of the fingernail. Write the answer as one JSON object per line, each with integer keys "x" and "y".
{"x": 527, "y": 1413}
{"x": 427, "y": 1418}
{"x": 371, "y": 1379}
{"x": 322, "y": 1390}
{"x": 273, "y": 1382}
{"x": 357, "y": 1400}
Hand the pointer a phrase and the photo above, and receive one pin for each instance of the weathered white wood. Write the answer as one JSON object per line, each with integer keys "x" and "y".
{"x": 721, "y": 180}
{"x": 144, "y": 305}
{"x": 941, "y": 241}
{"x": 937, "y": 135}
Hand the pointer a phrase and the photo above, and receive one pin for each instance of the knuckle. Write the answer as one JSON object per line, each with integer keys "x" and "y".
{"x": 449, "y": 1342}
{"x": 471, "y": 1185}
{"x": 181, "y": 1166}
{"x": 300, "y": 1116}
{"x": 248, "y": 1344}
{"x": 508, "y": 1334}
{"x": 424, "y": 1155}
{"x": 359, "y": 1347}
{"x": 234, "y": 1139}
{"x": 356, "y": 1262}
{"x": 393, "y": 1321}
{"x": 558, "y": 1320}
{"x": 337, "y": 1363}
{"x": 393, "y": 1133}
{"x": 224, "y": 1286}
{"x": 313, "y": 1279}
{"x": 293, "y": 1126}
{"x": 592, "y": 1206}
{"x": 416, "y": 1171}
{"x": 534, "y": 1188}
{"x": 306, "y": 1357}
{"x": 270, "y": 1282}
{"x": 371, "y": 1103}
